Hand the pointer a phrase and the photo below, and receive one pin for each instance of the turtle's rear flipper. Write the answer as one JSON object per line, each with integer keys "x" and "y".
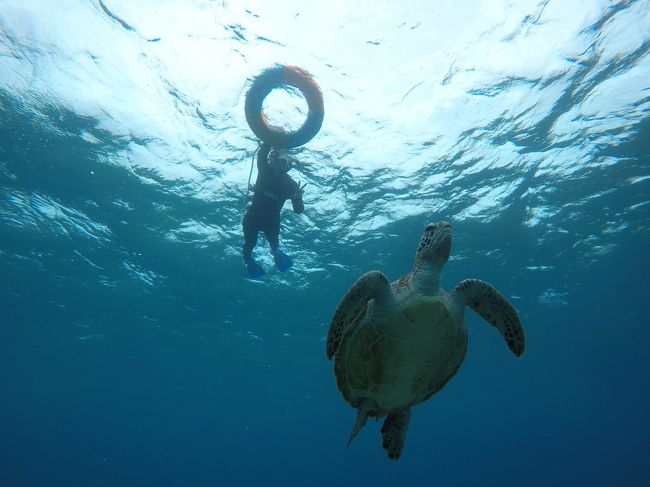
{"x": 394, "y": 431}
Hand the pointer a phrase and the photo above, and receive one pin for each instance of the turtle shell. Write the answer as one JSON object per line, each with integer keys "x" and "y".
{"x": 401, "y": 359}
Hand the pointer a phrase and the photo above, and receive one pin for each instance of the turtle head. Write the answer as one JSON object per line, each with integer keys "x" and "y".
{"x": 435, "y": 244}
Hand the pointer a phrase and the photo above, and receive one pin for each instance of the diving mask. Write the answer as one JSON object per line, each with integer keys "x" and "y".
{"x": 281, "y": 161}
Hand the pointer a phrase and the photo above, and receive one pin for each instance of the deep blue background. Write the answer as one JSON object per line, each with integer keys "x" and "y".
{"x": 206, "y": 378}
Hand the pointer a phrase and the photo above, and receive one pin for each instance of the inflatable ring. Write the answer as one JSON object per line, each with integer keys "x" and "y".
{"x": 266, "y": 82}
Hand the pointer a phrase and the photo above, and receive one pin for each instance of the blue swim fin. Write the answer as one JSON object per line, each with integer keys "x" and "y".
{"x": 254, "y": 269}
{"x": 282, "y": 261}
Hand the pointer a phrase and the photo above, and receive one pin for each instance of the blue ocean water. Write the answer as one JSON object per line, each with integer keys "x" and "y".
{"x": 134, "y": 350}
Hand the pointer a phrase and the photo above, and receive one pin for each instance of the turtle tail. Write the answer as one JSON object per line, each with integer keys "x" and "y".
{"x": 362, "y": 418}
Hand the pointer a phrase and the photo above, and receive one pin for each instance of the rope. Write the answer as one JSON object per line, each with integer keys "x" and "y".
{"x": 250, "y": 175}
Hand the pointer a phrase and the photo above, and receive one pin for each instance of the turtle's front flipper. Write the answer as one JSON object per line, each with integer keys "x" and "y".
{"x": 372, "y": 285}
{"x": 495, "y": 309}
{"x": 394, "y": 431}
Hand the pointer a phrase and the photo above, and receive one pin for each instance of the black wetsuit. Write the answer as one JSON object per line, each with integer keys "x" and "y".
{"x": 272, "y": 189}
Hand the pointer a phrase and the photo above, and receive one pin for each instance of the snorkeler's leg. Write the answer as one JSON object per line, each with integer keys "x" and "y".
{"x": 272, "y": 233}
{"x": 251, "y": 229}
{"x": 250, "y": 236}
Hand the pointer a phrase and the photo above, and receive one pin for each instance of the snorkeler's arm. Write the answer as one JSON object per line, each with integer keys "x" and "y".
{"x": 263, "y": 156}
{"x": 296, "y": 198}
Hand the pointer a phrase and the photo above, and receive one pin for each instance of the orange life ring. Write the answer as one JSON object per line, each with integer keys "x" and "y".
{"x": 266, "y": 82}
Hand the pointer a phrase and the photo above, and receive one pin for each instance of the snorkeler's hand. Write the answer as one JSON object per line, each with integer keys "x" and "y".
{"x": 301, "y": 189}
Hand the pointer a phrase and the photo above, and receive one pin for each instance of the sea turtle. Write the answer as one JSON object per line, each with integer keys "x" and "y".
{"x": 396, "y": 344}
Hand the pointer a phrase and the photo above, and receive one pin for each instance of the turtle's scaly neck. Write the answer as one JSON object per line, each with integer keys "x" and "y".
{"x": 425, "y": 278}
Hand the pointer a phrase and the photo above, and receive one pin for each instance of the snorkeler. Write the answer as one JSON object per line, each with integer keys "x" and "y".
{"x": 272, "y": 188}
